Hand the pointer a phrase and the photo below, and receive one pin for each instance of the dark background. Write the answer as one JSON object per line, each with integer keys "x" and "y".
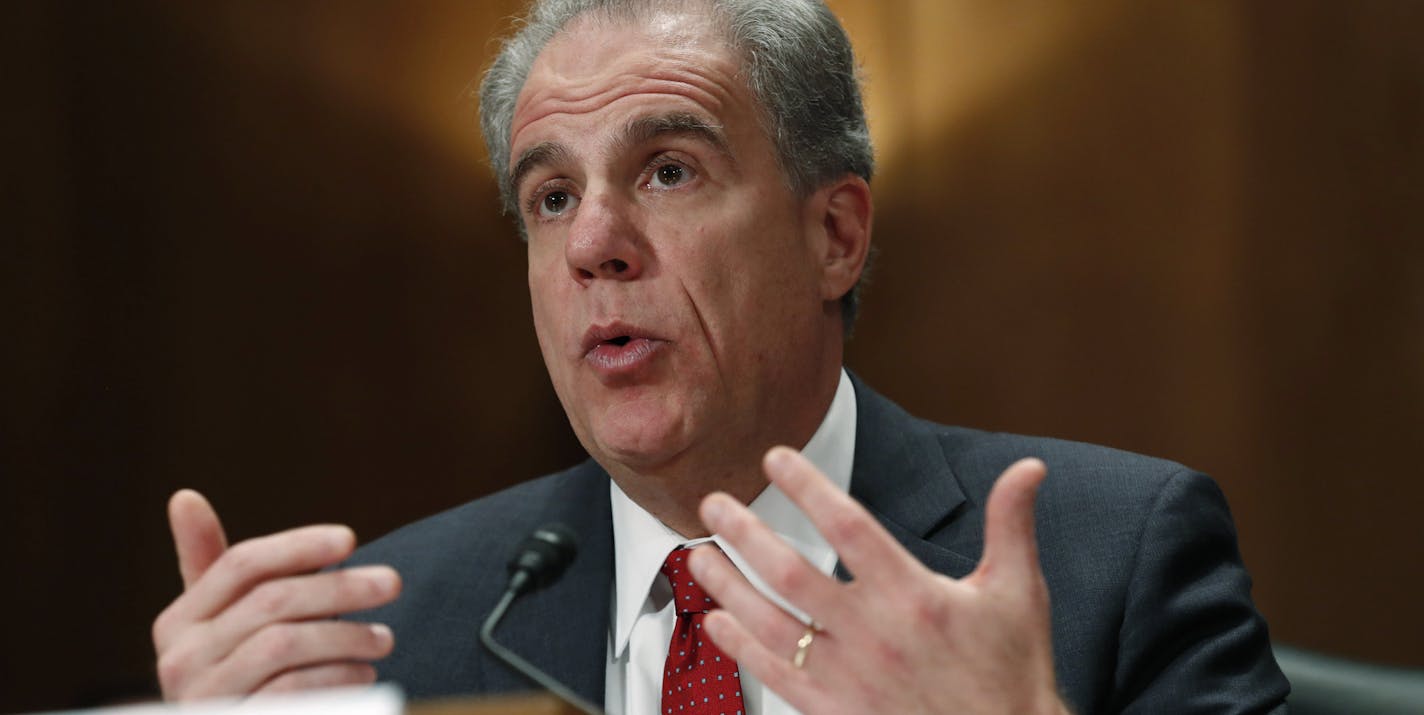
{"x": 252, "y": 248}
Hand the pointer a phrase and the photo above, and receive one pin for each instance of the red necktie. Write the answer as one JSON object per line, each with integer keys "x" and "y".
{"x": 698, "y": 679}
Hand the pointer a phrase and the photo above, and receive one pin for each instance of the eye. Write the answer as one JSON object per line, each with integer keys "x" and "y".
{"x": 556, "y": 203}
{"x": 668, "y": 176}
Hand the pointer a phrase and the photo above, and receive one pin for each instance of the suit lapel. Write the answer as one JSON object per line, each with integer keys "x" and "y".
{"x": 902, "y": 477}
{"x": 563, "y": 629}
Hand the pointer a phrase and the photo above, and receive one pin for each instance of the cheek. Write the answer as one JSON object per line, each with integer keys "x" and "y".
{"x": 546, "y": 268}
{"x": 769, "y": 271}
{"x": 744, "y": 287}
{"x": 709, "y": 260}
{"x": 544, "y": 300}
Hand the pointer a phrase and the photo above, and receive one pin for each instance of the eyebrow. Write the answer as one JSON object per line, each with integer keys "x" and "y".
{"x": 639, "y": 131}
{"x": 536, "y": 156}
{"x": 645, "y": 129}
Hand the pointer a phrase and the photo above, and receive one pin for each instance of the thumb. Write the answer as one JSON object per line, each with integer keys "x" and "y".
{"x": 1010, "y": 548}
{"x": 197, "y": 534}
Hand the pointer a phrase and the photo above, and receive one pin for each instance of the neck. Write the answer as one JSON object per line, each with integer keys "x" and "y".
{"x": 673, "y": 491}
{"x": 674, "y": 500}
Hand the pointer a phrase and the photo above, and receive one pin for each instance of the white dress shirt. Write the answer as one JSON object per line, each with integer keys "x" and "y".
{"x": 642, "y": 618}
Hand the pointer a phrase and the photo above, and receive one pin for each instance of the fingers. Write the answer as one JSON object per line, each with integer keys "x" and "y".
{"x": 197, "y": 534}
{"x": 1010, "y": 548}
{"x": 779, "y": 565}
{"x": 250, "y": 616}
{"x": 773, "y": 670}
{"x": 282, "y": 647}
{"x": 715, "y": 573}
{"x": 860, "y": 542}
{"x": 251, "y": 562}
{"x": 321, "y": 676}
{"x": 299, "y": 598}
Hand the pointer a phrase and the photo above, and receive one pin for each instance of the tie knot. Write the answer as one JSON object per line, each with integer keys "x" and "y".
{"x": 688, "y": 595}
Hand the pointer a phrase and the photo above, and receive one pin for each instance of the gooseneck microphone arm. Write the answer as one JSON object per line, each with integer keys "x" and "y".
{"x": 540, "y": 561}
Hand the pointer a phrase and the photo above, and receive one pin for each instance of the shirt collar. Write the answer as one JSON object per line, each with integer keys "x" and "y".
{"x": 641, "y": 542}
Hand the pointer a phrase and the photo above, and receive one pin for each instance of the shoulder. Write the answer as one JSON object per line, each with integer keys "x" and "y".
{"x": 890, "y": 439}
{"x": 1094, "y": 473}
{"x": 480, "y": 532}
{"x": 1099, "y": 506}
{"x": 1096, "y": 510}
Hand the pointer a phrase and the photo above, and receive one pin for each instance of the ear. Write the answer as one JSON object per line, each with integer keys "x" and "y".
{"x": 841, "y": 233}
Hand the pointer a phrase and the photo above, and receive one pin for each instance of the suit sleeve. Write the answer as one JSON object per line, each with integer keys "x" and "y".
{"x": 1191, "y": 639}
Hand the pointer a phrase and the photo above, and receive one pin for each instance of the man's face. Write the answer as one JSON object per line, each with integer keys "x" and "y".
{"x": 674, "y": 277}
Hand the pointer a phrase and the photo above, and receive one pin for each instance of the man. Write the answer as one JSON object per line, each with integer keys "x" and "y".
{"x": 692, "y": 180}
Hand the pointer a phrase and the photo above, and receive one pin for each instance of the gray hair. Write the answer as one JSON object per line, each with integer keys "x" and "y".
{"x": 798, "y": 64}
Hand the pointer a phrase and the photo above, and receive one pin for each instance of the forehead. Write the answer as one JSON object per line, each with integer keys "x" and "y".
{"x": 604, "y": 67}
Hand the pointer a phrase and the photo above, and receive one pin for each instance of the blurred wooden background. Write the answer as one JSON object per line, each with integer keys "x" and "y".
{"x": 252, "y": 248}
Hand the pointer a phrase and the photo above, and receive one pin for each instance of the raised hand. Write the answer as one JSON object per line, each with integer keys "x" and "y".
{"x": 256, "y": 617}
{"x": 899, "y": 638}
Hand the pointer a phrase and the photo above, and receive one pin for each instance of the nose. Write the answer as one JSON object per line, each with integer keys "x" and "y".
{"x": 603, "y": 244}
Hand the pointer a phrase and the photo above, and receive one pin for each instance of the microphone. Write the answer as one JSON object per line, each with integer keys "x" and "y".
{"x": 538, "y": 562}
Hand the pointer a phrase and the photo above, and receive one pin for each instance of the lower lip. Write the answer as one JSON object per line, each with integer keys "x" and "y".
{"x": 622, "y": 360}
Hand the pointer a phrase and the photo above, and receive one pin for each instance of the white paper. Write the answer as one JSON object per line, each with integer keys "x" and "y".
{"x": 384, "y": 699}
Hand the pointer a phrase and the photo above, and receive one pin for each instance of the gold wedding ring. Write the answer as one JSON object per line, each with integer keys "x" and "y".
{"x": 803, "y": 645}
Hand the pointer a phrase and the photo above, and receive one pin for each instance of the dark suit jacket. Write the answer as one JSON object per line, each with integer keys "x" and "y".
{"x": 1151, "y": 607}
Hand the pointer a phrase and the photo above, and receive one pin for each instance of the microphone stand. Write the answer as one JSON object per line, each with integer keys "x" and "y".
{"x": 519, "y": 583}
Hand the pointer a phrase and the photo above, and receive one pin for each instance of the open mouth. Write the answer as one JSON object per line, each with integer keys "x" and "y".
{"x": 620, "y": 350}
{"x": 614, "y": 336}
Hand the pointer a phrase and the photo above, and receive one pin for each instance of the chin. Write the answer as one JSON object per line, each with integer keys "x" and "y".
{"x": 639, "y": 435}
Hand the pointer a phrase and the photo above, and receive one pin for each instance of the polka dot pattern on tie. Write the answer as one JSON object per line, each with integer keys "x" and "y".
{"x": 698, "y": 678}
